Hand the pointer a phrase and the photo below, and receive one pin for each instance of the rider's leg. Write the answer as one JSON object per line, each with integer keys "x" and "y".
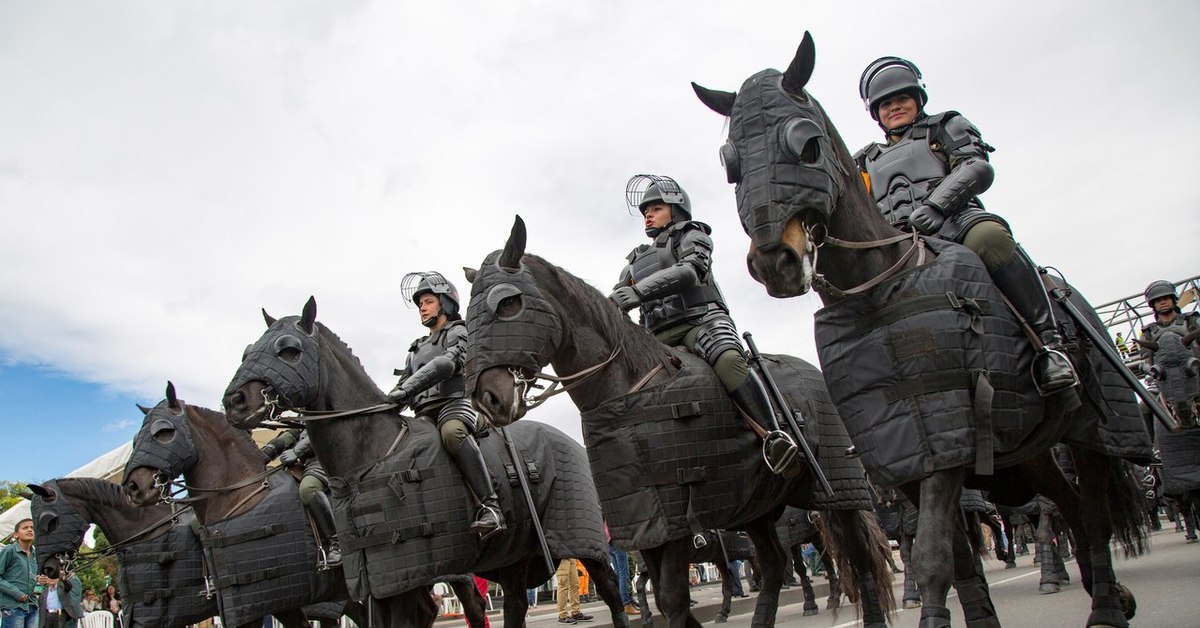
{"x": 463, "y": 448}
{"x": 316, "y": 502}
{"x": 1017, "y": 277}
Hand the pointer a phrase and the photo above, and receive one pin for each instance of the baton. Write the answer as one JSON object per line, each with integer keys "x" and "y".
{"x": 519, "y": 466}
{"x": 794, "y": 418}
{"x": 1060, "y": 295}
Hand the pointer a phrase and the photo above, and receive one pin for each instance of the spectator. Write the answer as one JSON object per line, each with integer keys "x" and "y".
{"x": 620, "y": 563}
{"x": 91, "y": 602}
{"x": 60, "y": 604}
{"x": 567, "y": 581}
{"x": 482, "y": 585}
{"x": 735, "y": 578}
{"x": 1121, "y": 346}
{"x": 17, "y": 567}
{"x": 111, "y": 602}
{"x": 585, "y": 583}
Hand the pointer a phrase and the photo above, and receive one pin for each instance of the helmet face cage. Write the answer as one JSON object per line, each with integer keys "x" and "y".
{"x": 888, "y": 76}
{"x": 643, "y": 189}
{"x": 415, "y": 284}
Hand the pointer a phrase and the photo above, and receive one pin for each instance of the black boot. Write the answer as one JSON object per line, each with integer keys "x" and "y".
{"x": 779, "y": 449}
{"x": 322, "y": 515}
{"x": 1019, "y": 281}
{"x": 490, "y": 519}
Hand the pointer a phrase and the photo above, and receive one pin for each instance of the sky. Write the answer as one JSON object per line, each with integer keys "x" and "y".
{"x": 168, "y": 168}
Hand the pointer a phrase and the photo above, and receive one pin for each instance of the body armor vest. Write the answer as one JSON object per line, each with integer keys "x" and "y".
{"x": 903, "y": 174}
{"x": 693, "y": 302}
{"x": 1182, "y": 324}
{"x": 427, "y": 348}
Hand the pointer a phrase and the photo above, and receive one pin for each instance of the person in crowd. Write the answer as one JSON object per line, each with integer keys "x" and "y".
{"x": 91, "y": 601}
{"x": 567, "y": 581}
{"x": 61, "y": 603}
{"x": 111, "y": 602}
{"x": 18, "y": 601}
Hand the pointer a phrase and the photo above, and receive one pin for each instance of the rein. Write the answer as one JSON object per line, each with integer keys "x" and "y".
{"x": 81, "y": 562}
{"x": 820, "y": 283}
{"x": 169, "y": 489}
{"x": 522, "y": 384}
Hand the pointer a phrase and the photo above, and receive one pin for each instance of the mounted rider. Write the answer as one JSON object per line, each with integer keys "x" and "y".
{"x": 928, "y": 175}
{"x": 431, "y": 383}
{"x": 293, "y": 447}
{"x": 671, "y": 283}
{"x": 1168, "y": 318}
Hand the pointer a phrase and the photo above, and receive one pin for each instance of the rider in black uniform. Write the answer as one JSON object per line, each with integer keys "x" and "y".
{"x": 292, "y": 447}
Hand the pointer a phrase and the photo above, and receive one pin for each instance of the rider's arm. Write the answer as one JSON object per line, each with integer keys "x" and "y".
{"x": 280, "y": 443}
{"x": 970, "y": 173}
{"x": 695, "y": 260}
{"x": 441, "y": 367}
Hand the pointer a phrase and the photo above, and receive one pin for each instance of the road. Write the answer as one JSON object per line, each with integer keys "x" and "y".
{"x": 1166, "y": 582}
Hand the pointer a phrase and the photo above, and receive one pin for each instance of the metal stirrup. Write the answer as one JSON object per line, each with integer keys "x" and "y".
{"x": 788, "y": 459}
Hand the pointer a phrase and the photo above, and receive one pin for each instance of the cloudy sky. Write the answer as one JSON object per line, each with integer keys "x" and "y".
{"x": 168, "y": 168}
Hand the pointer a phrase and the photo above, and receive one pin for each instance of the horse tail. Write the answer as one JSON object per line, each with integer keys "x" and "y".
{"x": 859, "y": 550}
{"x": 1127, "y": 508}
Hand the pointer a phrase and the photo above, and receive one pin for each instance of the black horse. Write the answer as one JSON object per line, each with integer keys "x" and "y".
{"x": 403, "y": 512}
{"x": 927, "y": 366}
{"x": 240, "y": 505}
{"x": 1176, "y": 373}
{"x": 160, "y": 576}
{"x": 670, "y": 456}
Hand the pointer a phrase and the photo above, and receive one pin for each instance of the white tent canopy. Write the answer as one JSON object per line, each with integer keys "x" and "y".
{"x": 106, "y": 467}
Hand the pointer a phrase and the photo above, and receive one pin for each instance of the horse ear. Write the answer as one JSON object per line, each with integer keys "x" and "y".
{"x": 267, "y": 317}
{"x": 718, "y": 101}
{"x": 514, "y": 249}
{"x": 801, "y": 68}
{"x": 172, "y": 400}
{"x": 40, "y": 491}
{"x": 309, "y": 315}
{"x": 144, "y": 409}
{"x": 470, "y": 273}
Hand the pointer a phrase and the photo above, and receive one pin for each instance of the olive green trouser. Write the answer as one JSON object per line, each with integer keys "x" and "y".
{"x": 731, "y": 366}
{"x": 992, "y": 242}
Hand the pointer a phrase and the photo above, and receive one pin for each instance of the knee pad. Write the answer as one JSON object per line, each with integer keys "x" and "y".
{"x": 716, "y": 336}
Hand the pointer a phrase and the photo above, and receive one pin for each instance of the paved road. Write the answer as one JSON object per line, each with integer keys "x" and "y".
{"x": 1166, "y": 583}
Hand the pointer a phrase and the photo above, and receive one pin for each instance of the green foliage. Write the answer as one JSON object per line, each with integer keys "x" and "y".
{"x": 100, "y": 572}
{"x": 11, "y": 493}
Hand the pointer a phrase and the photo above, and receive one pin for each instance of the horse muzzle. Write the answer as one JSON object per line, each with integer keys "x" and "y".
{"x": 499, "y": 396}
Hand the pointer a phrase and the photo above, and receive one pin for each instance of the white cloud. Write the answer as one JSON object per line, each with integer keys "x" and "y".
{"x": 166, "y": 169}
{"x": 121, "y": 425}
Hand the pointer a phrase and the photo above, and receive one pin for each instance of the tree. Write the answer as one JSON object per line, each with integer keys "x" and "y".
{"x": 11, "y": 493}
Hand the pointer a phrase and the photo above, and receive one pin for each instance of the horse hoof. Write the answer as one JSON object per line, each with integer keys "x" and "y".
{"x": 1049, "y": 587}
{"x": 911, "y": 604}
{"x": 1128, "y": 602}
{"x": 1192, "y": 540}
{"x": 808, "y": 612}
{"x": 720, "y": 619}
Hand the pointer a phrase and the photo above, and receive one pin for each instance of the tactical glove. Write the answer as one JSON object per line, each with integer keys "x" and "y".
{"x": 289, "y": 458}
{"x": 626, "y": 298}
{"x": 398, "y": 395}
{"x": 927, "y": 219}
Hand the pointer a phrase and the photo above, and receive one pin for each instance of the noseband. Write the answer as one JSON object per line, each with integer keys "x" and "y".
{"x": 522, "y": 385}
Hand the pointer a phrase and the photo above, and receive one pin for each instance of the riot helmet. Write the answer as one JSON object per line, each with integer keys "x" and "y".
{"x": 1159, "y": 289}
{"x": 643, "y": 190}
{"x": 886, "y": 77}
{"x": 414, "y": 285}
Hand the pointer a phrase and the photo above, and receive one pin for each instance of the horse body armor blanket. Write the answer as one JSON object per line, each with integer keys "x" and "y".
{"x": 793, "y": 527}
{"x": 930, "y": 371}
{"x": 404, "y": 521}
{"x": 264, "y": 560}
{"x": 161, "y": 579}
{"x": 673, "y": 459}
{"x": 1180, "y": 453}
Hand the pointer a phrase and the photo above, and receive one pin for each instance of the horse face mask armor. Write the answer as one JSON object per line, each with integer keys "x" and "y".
{"x": 285, "y": 359}
{"x": 59, "y": 528}
{"x": 778, "y": 154}
{"x": 165, "y": 440}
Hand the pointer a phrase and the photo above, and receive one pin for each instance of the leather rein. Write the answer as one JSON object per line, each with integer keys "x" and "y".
{"x": 822, "y": 284}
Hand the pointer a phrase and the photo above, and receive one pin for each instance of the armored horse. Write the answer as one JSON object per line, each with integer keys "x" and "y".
{"x": 257, "y": 543}
{"x": 928, "y": 368}
{"x": 1176, "y": 373}
{"x": 402, "y": 511}
{"x": 669, "y": 455}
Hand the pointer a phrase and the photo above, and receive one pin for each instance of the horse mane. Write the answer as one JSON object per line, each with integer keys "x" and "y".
{"x": 339, "y": 344}
{"x": 101, "y": 492}
{"x": 855, "y": 192}
{"x": 241, "y": 438}
{"x": 640, "y": 345}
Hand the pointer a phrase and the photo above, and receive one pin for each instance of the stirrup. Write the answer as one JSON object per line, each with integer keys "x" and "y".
{"x": 1054, "y": 355}
{"x": 484, "y": 510}
{"x": 698, "y": 540}
{"x": 788, "y": 460}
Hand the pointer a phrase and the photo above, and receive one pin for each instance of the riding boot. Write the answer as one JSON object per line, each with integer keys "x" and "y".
{"x": 322, "y": 515}
{"x": 1019, "y": 281}
{"x": 490, "y": 519}
{"x": 779, "y": 449}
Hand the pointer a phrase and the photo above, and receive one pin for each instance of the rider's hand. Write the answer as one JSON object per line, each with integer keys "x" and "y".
{"x": 398, "y": 396}
{"x": 626, "y": 298}
{"x": 288, "y": 458}
{"x": 927, "y": 219}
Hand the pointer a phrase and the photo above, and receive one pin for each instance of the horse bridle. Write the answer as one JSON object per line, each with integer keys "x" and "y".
{"x": 822, "y": 284}
{"x": 559, "y": 384}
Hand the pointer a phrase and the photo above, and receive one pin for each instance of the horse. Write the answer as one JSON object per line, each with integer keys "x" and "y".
{"x": 159, "y": 576}
{"x": 258, "y": 543}
{"x": 669, "y": 455}
{"x": 1176, "y": 373}
{"x": 400, "y": 498}
{"x": 949, "y": 398}
{"x": 797, "y": 527}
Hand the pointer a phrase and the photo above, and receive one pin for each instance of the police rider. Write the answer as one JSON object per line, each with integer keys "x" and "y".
{"x": 671, "y": 283}
{"x": 293, "y": 447}
{"x": 1161, "y": 297}
{"x": 432, "y": 385}
{"x": 928, "y": 175}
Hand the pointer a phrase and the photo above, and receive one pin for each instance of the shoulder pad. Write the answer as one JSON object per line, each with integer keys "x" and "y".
{"x": 453, "y": 324}
{"x": 694, "y": 224}
{"x": 634, "y": 253}
{"x": 1149, "y": 327}
{"x": 416, "y": 343}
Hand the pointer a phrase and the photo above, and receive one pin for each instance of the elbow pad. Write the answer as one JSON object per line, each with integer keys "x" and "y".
{"x": 666, "y": 282}
{"x": 433, "y": 372}
{"x": 970, "y": 179}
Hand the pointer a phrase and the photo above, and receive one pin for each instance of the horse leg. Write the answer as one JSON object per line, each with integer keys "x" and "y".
{"x": 912, "y": 598}
{"x": 831, "y": 575}
{"x": 640, "y": 586}
{"x": 859, "y": 549}
{"x": 292, "y": 618}
{"x": 969, "y": 580}
{"x": 411, "y": 609}
{"x": 726, "y": 590}
{"x": 472, "y": 601}
{"x": 357, "y": 613}
{"x": 769, "y": 552}
{"x": 810, "y": 596}
{"x": 1044, "y": 536}
{"x": 671, "y": 588}
{"x": 605, "y": 579}
{"x": 1188, "y": 504}
{"x": 937, "y": 520}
